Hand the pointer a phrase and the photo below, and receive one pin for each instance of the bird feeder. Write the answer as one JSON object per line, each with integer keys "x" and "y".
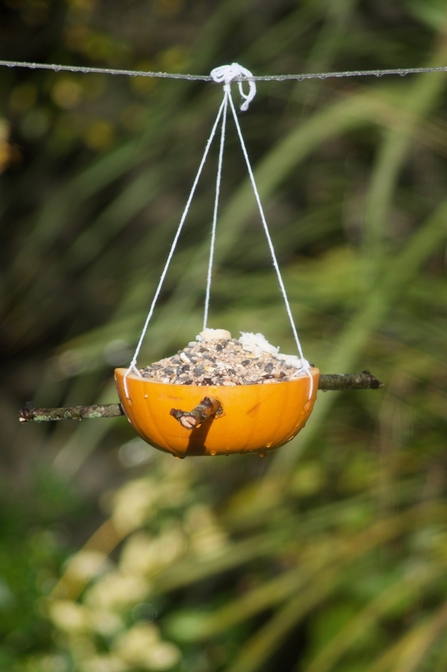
{"x": 246, "y": 418}
{"x": 231, "y": 417}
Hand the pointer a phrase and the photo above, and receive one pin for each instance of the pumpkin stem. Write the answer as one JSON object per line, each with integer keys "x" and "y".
{"x": 206, "y": 409}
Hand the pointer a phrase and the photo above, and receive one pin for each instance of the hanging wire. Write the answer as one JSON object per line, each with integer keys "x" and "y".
{"x": 207, "y": 78}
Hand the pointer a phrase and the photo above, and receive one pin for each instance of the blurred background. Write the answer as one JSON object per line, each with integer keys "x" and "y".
{"x": 331, "y": 554}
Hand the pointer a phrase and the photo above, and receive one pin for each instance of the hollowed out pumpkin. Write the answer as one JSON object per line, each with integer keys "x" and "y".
{"x": 256, "y": 418}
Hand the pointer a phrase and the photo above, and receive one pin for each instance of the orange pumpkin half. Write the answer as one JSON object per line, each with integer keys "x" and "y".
{"x": 256, "y": 418}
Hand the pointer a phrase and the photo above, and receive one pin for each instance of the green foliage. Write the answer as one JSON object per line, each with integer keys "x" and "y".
{"x": 329, "y": 556}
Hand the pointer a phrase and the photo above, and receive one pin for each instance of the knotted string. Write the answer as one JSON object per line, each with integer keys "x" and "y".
{"x": 227, "y": 73}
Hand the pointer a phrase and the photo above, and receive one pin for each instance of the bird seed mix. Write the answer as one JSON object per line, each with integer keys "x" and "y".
{"x": 217, "y": 359}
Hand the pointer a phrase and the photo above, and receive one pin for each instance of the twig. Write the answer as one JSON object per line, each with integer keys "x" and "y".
{"x": 328, "y": 382}
{"x": 206, "y": 409}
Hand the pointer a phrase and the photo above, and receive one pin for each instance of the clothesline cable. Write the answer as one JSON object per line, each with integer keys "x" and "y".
{"x": 207, "y": 78}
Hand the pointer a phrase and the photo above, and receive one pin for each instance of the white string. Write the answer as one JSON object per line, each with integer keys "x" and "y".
{"x": 207, "y": 78}
{"x": 305, "y": 363}
{"x": 132, "y": 365}
{"x": 216, "y": 205}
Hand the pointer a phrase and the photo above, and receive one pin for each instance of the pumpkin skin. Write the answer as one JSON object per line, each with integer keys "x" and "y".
{"x": 257, "y": 418}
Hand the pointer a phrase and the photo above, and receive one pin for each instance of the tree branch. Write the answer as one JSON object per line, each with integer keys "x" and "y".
{"x": 328, "y": 382}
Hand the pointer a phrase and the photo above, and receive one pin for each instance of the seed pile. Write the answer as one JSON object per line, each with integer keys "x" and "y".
{"x": 222, "y": 362}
